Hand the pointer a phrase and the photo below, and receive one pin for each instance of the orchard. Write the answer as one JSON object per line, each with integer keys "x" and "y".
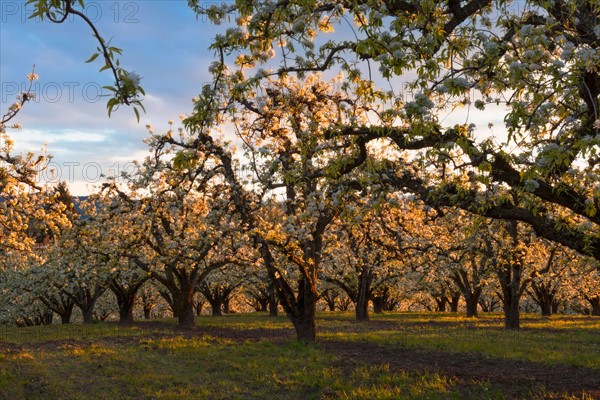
{"x": 317, "y": 173}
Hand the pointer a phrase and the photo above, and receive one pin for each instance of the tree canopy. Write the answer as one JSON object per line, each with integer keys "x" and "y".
{"x": 536, "y": 61}
{"x": 338, "y": 103}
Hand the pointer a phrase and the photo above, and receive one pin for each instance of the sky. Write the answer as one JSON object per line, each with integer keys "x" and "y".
{"x": 163, "y": 42}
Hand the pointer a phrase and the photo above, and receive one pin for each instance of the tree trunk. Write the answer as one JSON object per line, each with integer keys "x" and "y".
{"x": 555, "y": 306}
{"x": 65, "y": 316}
{"x": 47, "y": 318}
{"x": 85, "y": 299}
{"x": 472, "y": 300}
{"x": 543, "y": 295}
{"x": 227, "y": 306}
{"x": 147, "y": 311}
{"x": 64, "y": 310}
{"x": 126, "y": 295}
{"x": 362, "y": 308}
{"x": 364, "y": 291}
{"x": 344, "y": 304}
{"x": 185, "y": 308}
{"x": 216, "y": 306}
{"x": 378, "y": 302}
{"x": 472, "y": 303}
{"x": 330, "y": 304}
{"x": 512, "y": 314}
{"x": 488, "y": 304}
{"x": 88, "y": 313}
{"x": 304, "y": 312}
{"x": 126, "y": 311}
{"x": 509, "y": 281}
{"x": 512, "y": 289}
{"x": 260, "y": 304}
{"x": 217, "y": 297}
{"x": 170, "y": 299}
{"x": 595, "y": 303}
{"x": 273, "y": 301}
{"x": 125, "y": 301}
{"x": 306, "y": 331}
{"x": 198, "y": 305}
{"x": 454, "y": 300}
{"x": 546, "y": 308}
{"x": 440, "y": 303}
{"x": 301, "y": 309}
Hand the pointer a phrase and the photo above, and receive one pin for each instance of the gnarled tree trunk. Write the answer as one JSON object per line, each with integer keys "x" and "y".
{"x": 184, "y": 304}
{"x": 510, "y": 277}
{"x": 595, "y": 305}
{"x": 273, "y": 301}
{"x": 364, "y": 292}
{"x": 126, "y": 296}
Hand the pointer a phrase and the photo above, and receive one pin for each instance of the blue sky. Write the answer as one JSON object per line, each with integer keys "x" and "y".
{"x": 162, "y": 41}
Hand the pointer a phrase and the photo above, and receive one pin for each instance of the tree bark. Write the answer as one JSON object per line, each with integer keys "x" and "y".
{"x": 329, "y": 300}
{"x": 440, "y": 303}
{"x": 488, "y": 304}
{"x": 546, "y": 308}
{"x": 383, "y": 301}
{"x": 555, "y": 306}
{"x": 595, "y": 304}
{"x": 510, "y": 279}
{"x": 126, "y": 294}
{"x": 184, "y": 304}
{"x": 63, "y": 307}
{"x": 543, "y": 295}
{"x": 216, "y": 306}
{"x": 513, "y": 286}
{"x": 512, "y": 314}
{"x": 300, "y": 309}
{"x": 454, "y": 300}
{"x": 305, "y": 315}
{"x": 170, "y": 299}
{"x": 88, "y": 313}
{"x": 273, "y": 301}
{"x": 198, "y": 305}
{"x": 65, "y": 316}
{"x": 49, "y": 318}
{"x": 362, "y": 308}
{"x": 126, "y": 297}
{"x": 378, "y": 302}
{"x": 126, "y": 311}
{"x": 147, "y": 311}
{"x": 227, "y": 306}
{"x": 85, "y": 299}
{"x": 472, "y": 301}
{"x": 364, "y": 292}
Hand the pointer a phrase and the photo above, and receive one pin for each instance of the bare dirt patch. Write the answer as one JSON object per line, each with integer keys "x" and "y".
{"x": 514, "y": 377}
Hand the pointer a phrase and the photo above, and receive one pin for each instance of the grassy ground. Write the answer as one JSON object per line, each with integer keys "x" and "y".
{"x": 255, "y": 357}
{"x": 569, "y": 340}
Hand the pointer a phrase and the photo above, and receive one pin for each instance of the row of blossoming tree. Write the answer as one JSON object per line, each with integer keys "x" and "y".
{"x": 334, "y": 163}
{"x": 173, "y": 233}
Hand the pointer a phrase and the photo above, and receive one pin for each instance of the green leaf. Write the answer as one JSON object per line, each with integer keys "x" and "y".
{"x": 92, "y": 58}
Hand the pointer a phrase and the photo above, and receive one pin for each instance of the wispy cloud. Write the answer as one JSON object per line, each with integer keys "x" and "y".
{"x": 162, "y": 41}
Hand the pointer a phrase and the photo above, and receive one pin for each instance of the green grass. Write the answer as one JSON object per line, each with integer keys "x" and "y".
{"x": 569, "y": 340}
{"x": 156, "y": 361}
